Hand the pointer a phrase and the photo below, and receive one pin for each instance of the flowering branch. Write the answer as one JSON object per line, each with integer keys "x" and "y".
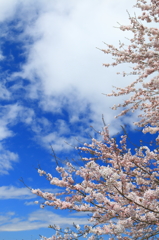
{"x": 118, "y": 187}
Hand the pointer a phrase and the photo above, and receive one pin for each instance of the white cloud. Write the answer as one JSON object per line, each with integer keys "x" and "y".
{"x": 6, "y": 217}
{"x": 19, "y": 9}
{"x": 1, "y": 56}
{"x": 29, "y": 203}
{"x": 4, "y": 131}
{"x": 39, "y": 219}
{"x": 79, "y": 214}
{"x": 4, "y": 92}
{"x": 11, "y": 192}
{"x": 7, "y": 10}
{"x": 60, "y": 142}
{"x": 7, "y": 158}
{"x": 9, "y": 116}
{"x": 63, "y": 65}
{"x": 63, "y": 62}
{"x": 3, "y": 219}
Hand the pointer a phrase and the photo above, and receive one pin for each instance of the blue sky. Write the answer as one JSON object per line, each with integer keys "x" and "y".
{"x": 51, "y": 88}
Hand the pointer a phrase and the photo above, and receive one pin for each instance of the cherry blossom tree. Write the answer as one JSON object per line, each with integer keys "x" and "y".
{"x": 143, "y": 53}
{"x": 118, "y": 187}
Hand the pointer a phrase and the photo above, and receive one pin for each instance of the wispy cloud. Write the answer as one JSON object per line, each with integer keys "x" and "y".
{"x": 12, "y": 192}
{"x": 1, "y": 56}
{"x": 61, "y": 143}
{"x": 7, "y": 158}
{"x": 38, "y": 219}
{"x": 4, "y": 92}
{"x": 10, "y": 115}
{"x": 29, "y": 203}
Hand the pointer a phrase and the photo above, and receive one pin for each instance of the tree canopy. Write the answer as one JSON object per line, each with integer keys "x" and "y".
{"x": 118, "y": 187}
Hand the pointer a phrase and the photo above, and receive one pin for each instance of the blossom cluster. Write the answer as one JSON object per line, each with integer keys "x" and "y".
{"x": 143, "y": 54}
{"x": 120, "y": 195}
